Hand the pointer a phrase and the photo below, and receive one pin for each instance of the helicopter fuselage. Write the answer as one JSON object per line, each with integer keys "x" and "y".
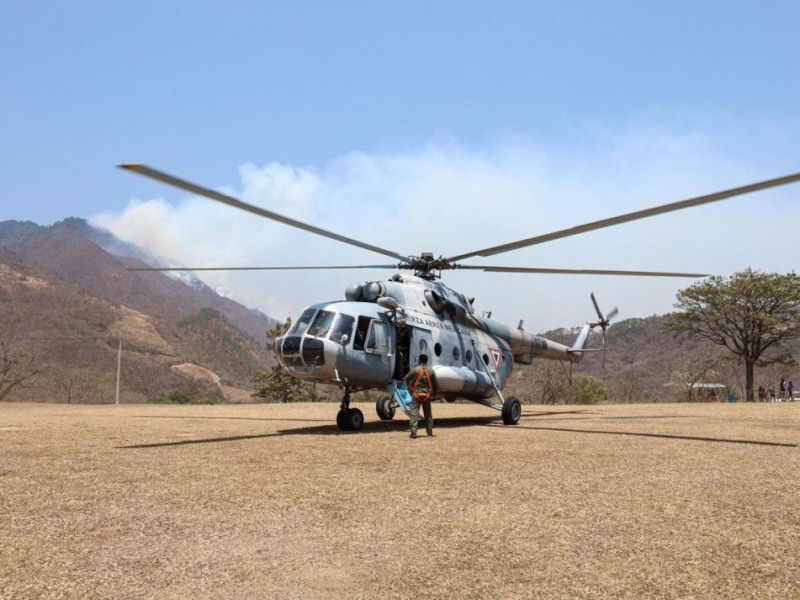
{"x": 379, "y": 331}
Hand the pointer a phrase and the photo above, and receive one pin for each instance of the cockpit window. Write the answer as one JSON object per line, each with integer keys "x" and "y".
{"x": 343, "y": 326}
{"x": 378, "y": 338}
{"x": 361, "y": 332}
{"x": 302, "y": 323}
{"x": 322, "y": 323}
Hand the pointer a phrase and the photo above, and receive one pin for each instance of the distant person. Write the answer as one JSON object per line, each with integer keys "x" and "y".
{"x": 772, "y": 392}
{"x": 762, "y": 393}
{"x": 782, "y": 388}
{"x": 790, "y": 391}
{"x": 422, "y": 385}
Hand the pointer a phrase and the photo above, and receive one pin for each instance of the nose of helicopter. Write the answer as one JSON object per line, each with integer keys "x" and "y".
{"x": 302, "y": 355}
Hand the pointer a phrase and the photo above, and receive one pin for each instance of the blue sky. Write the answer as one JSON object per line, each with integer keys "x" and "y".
{"x": 511, "y": 119}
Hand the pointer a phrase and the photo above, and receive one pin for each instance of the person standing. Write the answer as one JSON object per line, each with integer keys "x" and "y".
{"x": 782, "y": 389}
{"x": 423, "y": 386}
{"x": 790, "y": 391}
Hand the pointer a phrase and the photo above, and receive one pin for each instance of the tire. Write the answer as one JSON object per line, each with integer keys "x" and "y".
{"x": 354, "y": 419}
{"x": 512, "y": 411}
{"x": 384, "y": 408}
{"x": 341, "y": 419}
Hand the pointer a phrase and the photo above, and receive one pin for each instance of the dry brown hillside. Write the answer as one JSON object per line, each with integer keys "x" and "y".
{"x": 65, "y": 304}
{"x": 644, "y": 363}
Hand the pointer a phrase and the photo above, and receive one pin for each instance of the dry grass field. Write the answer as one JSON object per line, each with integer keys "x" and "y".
{"x": 634, "y": 501}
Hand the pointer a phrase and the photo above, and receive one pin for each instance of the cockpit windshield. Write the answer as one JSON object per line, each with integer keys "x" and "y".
{"x": 322, "y": 323}
{"x": 302, "y": 323}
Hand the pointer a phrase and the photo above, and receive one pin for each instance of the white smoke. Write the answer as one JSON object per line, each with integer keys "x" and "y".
{"x": 450, "y": 198}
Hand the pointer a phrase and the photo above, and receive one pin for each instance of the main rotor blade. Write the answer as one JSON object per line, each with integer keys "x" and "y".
{"x": 229, "y": 200}
{"x": 579, "y": 271}
{"x": 639, "y": 214}
{"x": 259, "y": 268}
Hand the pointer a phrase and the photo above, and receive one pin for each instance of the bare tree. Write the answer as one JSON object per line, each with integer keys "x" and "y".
{"x": 702, "y": 366}
{"x": 18, "y": 369}
{"x": 625, "y": 387}
{"x": 550, "y": 383}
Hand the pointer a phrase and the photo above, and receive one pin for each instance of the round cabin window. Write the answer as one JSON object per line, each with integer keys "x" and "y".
{"x": 437, "y": 349}
{"x": 456, "y": 353}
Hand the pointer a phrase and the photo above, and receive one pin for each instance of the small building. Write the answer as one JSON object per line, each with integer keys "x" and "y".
{"x": 709, "y": 391}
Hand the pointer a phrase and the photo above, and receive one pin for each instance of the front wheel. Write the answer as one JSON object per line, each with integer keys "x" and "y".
{"x": 512, "y": 411}
{"x": 355, "y": 419}
{"x": 341, "y": 419}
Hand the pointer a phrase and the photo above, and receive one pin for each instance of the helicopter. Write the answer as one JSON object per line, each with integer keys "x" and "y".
{"x": 370, "y": 339}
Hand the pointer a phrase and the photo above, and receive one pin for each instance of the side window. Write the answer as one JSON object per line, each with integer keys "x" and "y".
{"x": 378, "y": 338}
{"x": 361, "y": 333}
{"x": 343, "y": 326}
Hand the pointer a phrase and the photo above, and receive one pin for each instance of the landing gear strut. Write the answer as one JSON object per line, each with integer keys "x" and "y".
{"x": 349, "y": 419}
{"x": 511, "y": 408}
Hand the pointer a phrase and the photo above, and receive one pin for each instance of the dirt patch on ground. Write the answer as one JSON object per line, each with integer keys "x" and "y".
{"x": 655, "y": 501}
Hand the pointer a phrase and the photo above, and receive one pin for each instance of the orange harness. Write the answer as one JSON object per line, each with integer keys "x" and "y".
{"x": 422, "y": 396}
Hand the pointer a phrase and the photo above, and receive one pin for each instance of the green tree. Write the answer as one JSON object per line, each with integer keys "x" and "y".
{"x": 588, "y": 390}
{"x": 277, "y": 385}
{"x": 751, "y": 313}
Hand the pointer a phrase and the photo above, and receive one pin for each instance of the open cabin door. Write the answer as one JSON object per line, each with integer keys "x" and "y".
{"x": 371, "y": 359}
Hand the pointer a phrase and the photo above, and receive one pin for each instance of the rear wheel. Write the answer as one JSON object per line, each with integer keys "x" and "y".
{"x": 384, "y": 408}
{"x": 512, "y": 410}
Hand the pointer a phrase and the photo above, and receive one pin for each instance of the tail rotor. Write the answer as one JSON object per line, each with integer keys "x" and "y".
{"x": 603, "y": 323}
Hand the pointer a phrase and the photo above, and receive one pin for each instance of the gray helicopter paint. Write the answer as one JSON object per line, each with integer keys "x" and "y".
{"x": 371, "y": 366}
{"x": 466, "y": 351}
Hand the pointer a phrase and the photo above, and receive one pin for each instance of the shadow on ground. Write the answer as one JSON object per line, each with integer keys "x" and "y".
{"x": 384, "y": 427}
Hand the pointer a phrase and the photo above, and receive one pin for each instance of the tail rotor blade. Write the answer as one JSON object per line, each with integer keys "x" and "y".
{"x": 603, "y": 323}
{"x": 596, "y": 307}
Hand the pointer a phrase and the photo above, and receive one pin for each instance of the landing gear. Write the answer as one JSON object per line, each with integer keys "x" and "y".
{"x": 384, "y": 408}
{"x": 349, "y": 419}
{"x": 512, "y": 410}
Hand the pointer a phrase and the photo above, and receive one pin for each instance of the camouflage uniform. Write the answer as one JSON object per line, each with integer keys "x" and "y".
{"x": 421, "y": 395}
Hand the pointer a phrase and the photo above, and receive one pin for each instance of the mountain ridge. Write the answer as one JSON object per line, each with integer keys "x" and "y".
{"x": 57, "y": 285}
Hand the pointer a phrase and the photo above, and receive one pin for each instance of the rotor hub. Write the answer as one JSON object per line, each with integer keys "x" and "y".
{"x": 427, "y": 267}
